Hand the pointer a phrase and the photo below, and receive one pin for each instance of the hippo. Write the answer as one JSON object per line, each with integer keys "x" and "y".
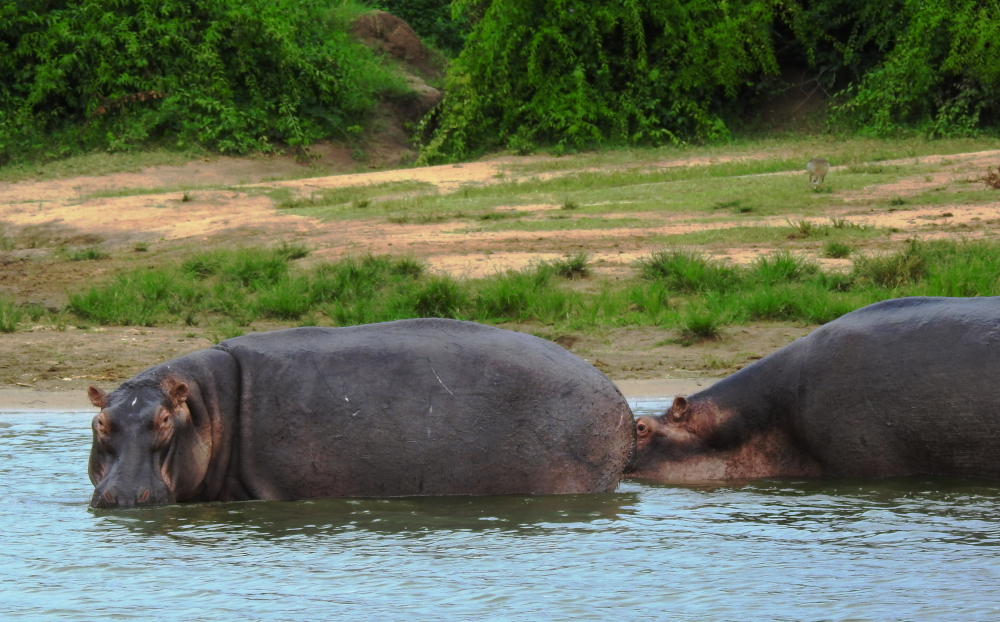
{"x": 901, "y": 387}
{"x": 405, "y": 408}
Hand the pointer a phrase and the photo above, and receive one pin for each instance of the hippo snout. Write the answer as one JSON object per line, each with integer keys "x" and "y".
{"x": 113, "y": 497}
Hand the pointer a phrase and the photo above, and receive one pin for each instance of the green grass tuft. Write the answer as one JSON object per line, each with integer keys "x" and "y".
{"x": 688, "y": 271}
{"x": 10, "y": 315}
{"x": 85, "y": 254}
{"x": 889, "y": 270}
{"x": 572, "y": 266}
{"x": 837, "y": 250}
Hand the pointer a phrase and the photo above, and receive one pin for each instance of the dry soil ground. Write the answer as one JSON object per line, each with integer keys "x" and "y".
{"x": 226, "y": 203}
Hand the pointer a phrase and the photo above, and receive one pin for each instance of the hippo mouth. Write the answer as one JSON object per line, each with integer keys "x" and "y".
{"x": 114, "y": 497}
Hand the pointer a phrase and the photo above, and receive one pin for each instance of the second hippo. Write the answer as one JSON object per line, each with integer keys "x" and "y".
{"x": 900, "y": 387}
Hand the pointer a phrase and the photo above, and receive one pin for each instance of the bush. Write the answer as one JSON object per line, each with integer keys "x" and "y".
{"x": 580, "y": 72}
{"x": 232, "y": 76}
{"x": 932, "y": 66}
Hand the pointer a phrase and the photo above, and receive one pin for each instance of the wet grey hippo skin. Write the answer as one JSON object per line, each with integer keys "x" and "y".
{"x": 414, "y": 407}
{"x": 906, "y": 386}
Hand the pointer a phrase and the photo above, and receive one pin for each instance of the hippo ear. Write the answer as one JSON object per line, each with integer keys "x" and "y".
{"x": 97, "y": 396}
{"x": 679, "y": 411}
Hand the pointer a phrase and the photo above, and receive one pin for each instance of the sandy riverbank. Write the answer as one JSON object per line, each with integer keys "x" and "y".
{"x": 18, "y": 399}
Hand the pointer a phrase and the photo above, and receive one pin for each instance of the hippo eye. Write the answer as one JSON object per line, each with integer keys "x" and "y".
{"x": 101, "y": 425}
{"x": 163, "y": 427}
{"x": 641, "y": 428}
{"x": 102, "y": 430}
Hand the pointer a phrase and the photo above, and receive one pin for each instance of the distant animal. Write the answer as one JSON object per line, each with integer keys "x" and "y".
{"x": 414, "y": 407}
{"x": 818, "y": 168}
{"x": 900, "y": 387}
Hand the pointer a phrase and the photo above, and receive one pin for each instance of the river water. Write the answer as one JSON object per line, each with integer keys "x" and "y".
{"x": 898, "y": 549}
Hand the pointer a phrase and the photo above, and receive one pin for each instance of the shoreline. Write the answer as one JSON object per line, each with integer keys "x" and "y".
{"x": 17, "y": 399}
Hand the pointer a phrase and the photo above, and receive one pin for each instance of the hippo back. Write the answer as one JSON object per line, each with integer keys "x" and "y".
{"x": 423, "y": 407}
{"x": 904, "y": 386}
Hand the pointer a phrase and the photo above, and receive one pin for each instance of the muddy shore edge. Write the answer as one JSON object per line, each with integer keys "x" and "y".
{"x": 20, "y": 400}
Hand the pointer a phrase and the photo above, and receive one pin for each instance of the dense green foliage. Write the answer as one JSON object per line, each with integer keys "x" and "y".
{"x": 237, "y": 77}
{"x": 431, "y": 20}
{"x": 574, "y": 73}
{"x": 578, "y": 72}
{"x": 939, "y": 67}
{"x": 227, "y": 75}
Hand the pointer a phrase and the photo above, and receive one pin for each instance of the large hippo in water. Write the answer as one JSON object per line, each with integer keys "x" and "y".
{"x": 414, "y": 407}
{"x": 906, "y": 386}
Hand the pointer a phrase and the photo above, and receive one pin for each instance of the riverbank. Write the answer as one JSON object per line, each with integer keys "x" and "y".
{"x": 21, "y": 399}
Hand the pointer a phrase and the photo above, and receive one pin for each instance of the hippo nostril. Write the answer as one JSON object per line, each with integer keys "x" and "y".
{"x": 108, "y": 496}
{"x": 145, "y": 495}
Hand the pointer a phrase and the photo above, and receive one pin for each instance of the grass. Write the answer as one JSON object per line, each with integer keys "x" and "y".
{"x": 611, "y": 187}
{"x": 680, "y": 290}
{"x": 572, "y": 266}
{"x": 797, "y": 149}
{"x": 97, "y": 163}
{"x": 836, "y": 250}
{"x": 561, "y": 224}
{"x": 890, "y": 270}
{"x": 83, "y": 254}
{"x": 10, "y": 315}
{"x": 356, "y": 197}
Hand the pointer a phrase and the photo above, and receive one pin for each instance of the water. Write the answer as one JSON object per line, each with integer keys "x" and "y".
{"x": 902, "y": 549}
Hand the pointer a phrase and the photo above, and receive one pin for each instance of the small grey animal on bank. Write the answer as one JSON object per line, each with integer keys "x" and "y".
{"x": 901, "y": 387}
{"x": 818, "y": 168}
{"x": 414, "y": 407}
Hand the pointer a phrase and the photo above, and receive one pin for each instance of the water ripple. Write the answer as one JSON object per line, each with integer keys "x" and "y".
{"x": 898, "y": 549}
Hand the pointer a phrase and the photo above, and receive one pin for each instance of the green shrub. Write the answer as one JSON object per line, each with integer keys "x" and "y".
{"x": 928, "y": 65}
{"x": 579, "y": 72}
{"x": 219, "y": 74}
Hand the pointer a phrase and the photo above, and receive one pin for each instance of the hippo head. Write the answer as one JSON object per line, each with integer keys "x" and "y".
{"x": 678, "y": 446}
{"x": 147, "y": 448}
